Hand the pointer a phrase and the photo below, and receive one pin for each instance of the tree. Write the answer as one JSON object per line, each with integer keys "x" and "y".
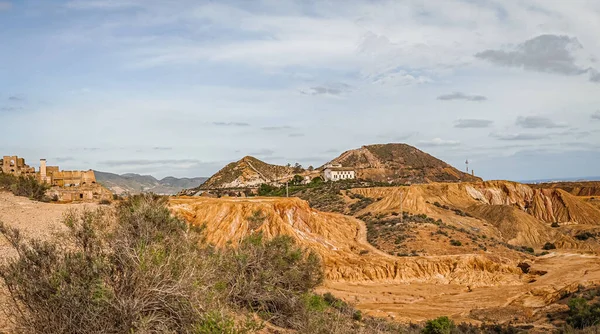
{"x": 297, "y": 179}
{"x": 311, "y": 168}
{"x": 297, "y": 168}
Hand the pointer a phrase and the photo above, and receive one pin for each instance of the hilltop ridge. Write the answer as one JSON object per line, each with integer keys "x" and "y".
{"x": 390, "y": 163}
{"x": 246, "y": 172}
{"x": 400, "y": 163}
{"x": 132, "y": 183}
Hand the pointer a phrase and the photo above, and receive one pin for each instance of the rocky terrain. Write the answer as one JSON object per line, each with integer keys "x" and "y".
{"x": 400, "y": 163}
{"x": 459, "y": 249}
{"x": 580, "y": 188}
{"x": 247, "y": 172}
{"x": 135, "y": 183}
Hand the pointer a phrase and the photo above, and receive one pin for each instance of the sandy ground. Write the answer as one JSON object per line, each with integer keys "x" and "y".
{"x": 525, "y": 303}
{"x": 34, "y": 219}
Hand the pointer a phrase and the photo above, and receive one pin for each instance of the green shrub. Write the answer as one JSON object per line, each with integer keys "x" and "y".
{"x": 455, "y": 243}
{"x": 26, "y": 186}
{"x": 549, "y": 246}
{"x": 582, "y": 314}
{"x": 441, "y": 325}
{"x": 271, "y": 277}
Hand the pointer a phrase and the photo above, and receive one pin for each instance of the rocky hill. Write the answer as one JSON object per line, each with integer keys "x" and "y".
{"x": 400, "y": 163}
{"x": 135, "y": 183}
{"x": 247, "y": 172}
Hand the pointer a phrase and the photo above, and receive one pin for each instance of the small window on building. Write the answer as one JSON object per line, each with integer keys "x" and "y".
{"x": 81, "y": 196}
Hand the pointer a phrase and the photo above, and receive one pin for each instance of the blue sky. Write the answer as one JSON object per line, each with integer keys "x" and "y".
{"x": 183, "y": 87}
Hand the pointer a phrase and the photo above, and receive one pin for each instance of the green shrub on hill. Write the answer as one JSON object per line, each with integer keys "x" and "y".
{"x": 26, "y": 186}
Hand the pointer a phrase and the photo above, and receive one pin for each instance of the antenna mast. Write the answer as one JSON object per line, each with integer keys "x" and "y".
{"x": 467, "y": 163}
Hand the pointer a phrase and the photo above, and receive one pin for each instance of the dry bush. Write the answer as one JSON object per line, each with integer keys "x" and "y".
{"x": 26, "y": 186}
{"x": 139, "y": 270}
{"x": 270, "y": 277}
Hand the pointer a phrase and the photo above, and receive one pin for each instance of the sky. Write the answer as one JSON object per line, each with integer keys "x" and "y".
{"x": 183, "y": 87}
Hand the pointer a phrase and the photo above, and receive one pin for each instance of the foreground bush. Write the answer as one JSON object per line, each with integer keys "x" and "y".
{"x": 441, "y": 325}
{"x": 135, "y": 270}
{"x": 26, "y": 186}
{"x": 583, "y": 314}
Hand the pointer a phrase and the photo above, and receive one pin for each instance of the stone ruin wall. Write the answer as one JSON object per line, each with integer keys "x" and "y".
{"x": 66, "y": 186}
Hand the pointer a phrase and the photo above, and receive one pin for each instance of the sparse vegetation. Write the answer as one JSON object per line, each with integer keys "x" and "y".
{"x": 585, "y": 236}
{"x": 549, "y": 246}
{"x": 583, "y": 314}
{"x": 456, "y": 243}
{"x": 441, "y": 325}
{"x": 26, "y": 186}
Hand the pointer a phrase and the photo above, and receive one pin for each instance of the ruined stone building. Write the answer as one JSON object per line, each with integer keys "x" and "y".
{"x": 16, "y": 166}
{"x": 65, "y": 185}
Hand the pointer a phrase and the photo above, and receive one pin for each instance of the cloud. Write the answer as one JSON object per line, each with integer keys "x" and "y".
{"x": 145, "y": 162}
{"x": 158, "y": 148}
{"x": 461, "y": 96}
{"x": 596, "y": 115}
{"x": 9, "y": 109}
{"x": 296, "y": 135}
{"x": 5, "y": 5}
{"x": 438, "y": 142}
{"x": 263, "y": 153}
{"x": 473, "y": 123}
{"x": 16, "y": 98}
{"x": 538, "y": 122}
{"x": 396, "y": 136}
{"x": 63, "y": 159}
{"x": 100, "y": 4}
{"x": 234, "y": 124}
{"x": 544, "y": 53}
{"x": 336, "y": 89}
{"x": 518, "y": 136}
{"x": 594, "y": 75}
{"x": 277, "y": 128}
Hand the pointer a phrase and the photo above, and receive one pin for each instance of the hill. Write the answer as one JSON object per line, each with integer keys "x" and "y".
{"x": 400, "y": 163}
{"x": 134, "y": 183}
{"x": 247, "y": 172}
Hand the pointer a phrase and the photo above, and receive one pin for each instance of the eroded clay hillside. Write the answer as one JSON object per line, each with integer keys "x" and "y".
{"x": 400, "y": 163}
{"x": 339, "y": 239}
{"x": 479, "y": 247}
{"x": 510, "y": 212}
{"x": 583, "y": 188}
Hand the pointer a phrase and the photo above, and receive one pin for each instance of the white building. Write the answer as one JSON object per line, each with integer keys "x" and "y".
{"x": 335, "y": 172}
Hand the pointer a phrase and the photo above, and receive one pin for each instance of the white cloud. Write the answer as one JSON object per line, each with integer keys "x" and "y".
{"x": 439, "y": 142}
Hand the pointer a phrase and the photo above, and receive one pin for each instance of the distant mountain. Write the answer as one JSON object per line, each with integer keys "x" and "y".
{"x": 247, "y": 172}
{"x": 400, "y": 163}
{"x": 131, "y": 183}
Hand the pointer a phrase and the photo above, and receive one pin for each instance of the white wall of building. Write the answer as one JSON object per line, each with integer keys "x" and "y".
{"x": 336, "y": 175}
